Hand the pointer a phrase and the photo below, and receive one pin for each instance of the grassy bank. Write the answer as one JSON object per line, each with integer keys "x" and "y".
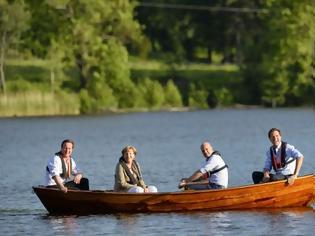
{"x": 220, "y": 80}
{"x": 31, "y": 91}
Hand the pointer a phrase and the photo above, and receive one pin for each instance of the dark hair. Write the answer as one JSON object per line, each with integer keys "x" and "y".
{"x": 67, "y": 141}
{"x": 272, "y": 130}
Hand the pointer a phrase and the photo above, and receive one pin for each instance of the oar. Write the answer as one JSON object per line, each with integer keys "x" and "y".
{"x": 186, "y": 185}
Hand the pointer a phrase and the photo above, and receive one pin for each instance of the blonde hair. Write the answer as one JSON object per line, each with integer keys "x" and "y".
{"x": 127, "y": 148}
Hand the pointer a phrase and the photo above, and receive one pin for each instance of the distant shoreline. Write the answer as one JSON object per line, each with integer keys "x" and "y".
{"x": 145, "y": 110}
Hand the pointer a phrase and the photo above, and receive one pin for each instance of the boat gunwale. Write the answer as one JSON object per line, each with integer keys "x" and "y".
{"x": 189, "y": 192}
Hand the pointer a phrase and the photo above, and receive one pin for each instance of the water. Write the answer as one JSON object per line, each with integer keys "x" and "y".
{"x": 168, "y": 149}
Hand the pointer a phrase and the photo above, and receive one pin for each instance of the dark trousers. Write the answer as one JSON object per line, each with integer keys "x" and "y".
{"x": 258, "y": 176}
{"x": 83, "y": 185}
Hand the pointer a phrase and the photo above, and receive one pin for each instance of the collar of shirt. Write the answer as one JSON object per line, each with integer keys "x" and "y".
{"x": 277, "y": 148}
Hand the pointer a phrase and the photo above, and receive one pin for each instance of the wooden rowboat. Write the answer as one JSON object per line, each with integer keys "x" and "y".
{"x": 269, "y": 195}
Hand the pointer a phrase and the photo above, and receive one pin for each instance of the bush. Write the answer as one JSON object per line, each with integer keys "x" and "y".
{"x": 197, "y": 98}
{"x": 152, "y": 92}
{"x": 224, "y": 97}
{"x": 172, "y": 95}
{"x": 97, "y": 97}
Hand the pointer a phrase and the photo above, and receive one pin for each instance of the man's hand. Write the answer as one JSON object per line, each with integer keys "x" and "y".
{"x": 64, "y": 189}
{"x": 265, "y": 179}
{"x": 291, "y": 179}
{"x": 77, "y": 178}
{"x": 182, "y": 183}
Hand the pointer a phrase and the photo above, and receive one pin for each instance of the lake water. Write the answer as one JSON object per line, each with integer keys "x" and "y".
{"x": 168, "y": 149}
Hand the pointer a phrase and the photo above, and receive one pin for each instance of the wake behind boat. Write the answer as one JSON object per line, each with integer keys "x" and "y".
{"x": 268, "y": 195}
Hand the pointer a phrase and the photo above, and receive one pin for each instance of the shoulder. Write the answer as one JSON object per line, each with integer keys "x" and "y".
{"x": 55, "y": 159}
{"x": 136, "y": 163}
{"x": 119, "y": 166}
{"x": 215, "y": 158}
{"x": 289, "y": 146}
{"x": 217, "y": 154}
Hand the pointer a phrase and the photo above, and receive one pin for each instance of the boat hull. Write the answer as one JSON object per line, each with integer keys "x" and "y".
{"x": 269, "y": 195}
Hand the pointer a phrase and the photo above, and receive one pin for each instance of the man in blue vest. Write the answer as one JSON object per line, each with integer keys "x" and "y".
{"x": 284, "y": 158}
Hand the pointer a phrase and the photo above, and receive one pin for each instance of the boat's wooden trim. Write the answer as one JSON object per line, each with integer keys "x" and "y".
{"x": 268, "y": 195}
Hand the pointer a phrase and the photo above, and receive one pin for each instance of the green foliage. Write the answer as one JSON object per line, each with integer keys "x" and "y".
{"x": 152, "y": 92}
{"x": 224, "y": 97}
{"x": 284, "y": 53}
{"x": 115, "y": 66}
{"x": 20, "y": 85}
{"x": 85, "y": 47}
{"x": 97, "y": 97}
{"x": 172, "y": 95}
{"x": 13, "y": 22}
{"x": 14, "y": 19}
{"x": 197, "y": 97}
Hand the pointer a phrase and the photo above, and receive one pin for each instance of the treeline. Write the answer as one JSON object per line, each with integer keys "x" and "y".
{"x": 87, "y": 47}
{"x": 272, "y": 41}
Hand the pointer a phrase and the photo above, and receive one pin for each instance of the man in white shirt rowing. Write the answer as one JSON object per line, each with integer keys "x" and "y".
{"x": 214, "y": 169}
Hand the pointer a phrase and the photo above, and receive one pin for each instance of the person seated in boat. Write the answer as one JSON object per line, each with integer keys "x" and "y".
{"x": 128, "y": 176}
{"x": 62, "y": 171}
{"x": 284, "y": 158}
{"x": 214, "y": 169}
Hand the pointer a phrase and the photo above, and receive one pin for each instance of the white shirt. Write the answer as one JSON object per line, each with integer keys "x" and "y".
{"x": 213, "y": 163}
{"x": 55, "y": 168}
{"x": 291, "y": 153}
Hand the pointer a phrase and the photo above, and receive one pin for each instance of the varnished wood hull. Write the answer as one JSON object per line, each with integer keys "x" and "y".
{"x": 270, "y": 195}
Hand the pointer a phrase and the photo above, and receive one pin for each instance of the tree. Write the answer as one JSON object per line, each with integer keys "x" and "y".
{"x": 93, "y": 36}
{"x": 172, "y": 95}
{"x": 14, "y": 19}
{"x": 281, "y": 66}
{"x": 96, "y": 34}
{"x": 152, "y": 92}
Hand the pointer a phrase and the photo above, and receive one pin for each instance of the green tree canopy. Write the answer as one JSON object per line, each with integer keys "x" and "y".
{"x": 13, "y": 22}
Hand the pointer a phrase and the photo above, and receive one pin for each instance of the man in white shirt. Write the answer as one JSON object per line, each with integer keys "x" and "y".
{"x": 214, "y": 169}
{"x": 62, "y": 171}
{"x": 284, "y": 158}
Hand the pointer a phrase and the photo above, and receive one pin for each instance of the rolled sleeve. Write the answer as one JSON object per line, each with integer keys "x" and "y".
{"x": 55, "y": 166}
{"x": 203, "y": 170}
{"x": 293, "y": 152}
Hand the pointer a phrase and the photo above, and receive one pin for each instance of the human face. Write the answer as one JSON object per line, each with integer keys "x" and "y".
{"x": 206, "y": 149}
{"x": 67, "y": 149}
{"x": 275, "y": 138}
{"x": 129, "y": 156}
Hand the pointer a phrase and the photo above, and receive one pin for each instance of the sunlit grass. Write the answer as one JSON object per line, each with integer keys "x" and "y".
{"x": 38, "y": 104}
{"x": 143, "y": 64}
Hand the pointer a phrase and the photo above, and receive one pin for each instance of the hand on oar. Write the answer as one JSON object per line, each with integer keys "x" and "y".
{"x": 182, "y": 183}
{"x": 291, "y": 179}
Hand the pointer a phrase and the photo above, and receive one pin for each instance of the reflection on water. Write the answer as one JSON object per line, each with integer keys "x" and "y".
{"x": 66, "y": 225}
{"x": 168, "y": 145}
